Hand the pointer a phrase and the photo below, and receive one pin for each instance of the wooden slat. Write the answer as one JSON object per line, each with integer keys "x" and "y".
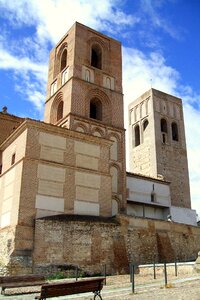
{"x": 70, "y": 288}
{"x": 19, "y": 278}
{"x": 21, "y": 281}
{"x": 21, "y": 284}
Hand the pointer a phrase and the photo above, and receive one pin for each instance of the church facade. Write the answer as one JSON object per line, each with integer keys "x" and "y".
{"x": 63, "y": 183}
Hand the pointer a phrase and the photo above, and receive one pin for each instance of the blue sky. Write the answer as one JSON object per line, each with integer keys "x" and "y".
{"x": 161, "y": 45}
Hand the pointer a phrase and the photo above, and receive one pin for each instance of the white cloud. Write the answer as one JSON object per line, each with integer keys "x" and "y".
{"x": 52, "y": 17}
{"x": 29, "y": 77}
{"x": 151, "y": 9}
{"x": 20, "y": 64}
{"x": 141, "y": 71}
{"x": 192, "y": 122}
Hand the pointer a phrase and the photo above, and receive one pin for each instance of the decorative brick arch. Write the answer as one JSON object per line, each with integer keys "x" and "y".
{"x": 106, "y": 105}
{"x": 58, "y": 57}
{"x": 117, "y": 137}
{"x": 96, "y": 41}
{"x": 99, "y": 130}
{"x": 117, "y": 199}
{"x": 80, "y": 125}
{"x": 119, "y": 183}
{"x": 54, "y": 107}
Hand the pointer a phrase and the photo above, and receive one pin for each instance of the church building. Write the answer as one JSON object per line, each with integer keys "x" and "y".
{"x": 63, "y": 181}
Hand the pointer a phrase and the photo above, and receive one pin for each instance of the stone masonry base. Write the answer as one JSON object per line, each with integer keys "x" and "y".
{"x": 63, "y": 243}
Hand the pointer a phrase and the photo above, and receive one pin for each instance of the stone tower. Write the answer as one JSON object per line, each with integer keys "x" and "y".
{"x": 157, "y": 142}
{"x": 84, "y": 93}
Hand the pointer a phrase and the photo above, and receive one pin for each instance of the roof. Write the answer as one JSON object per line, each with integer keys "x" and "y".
{"x": 138, "y": 175}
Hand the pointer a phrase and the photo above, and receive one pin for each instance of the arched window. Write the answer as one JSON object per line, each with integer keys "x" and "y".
{"x": 60, "y": 111}
{"x": 114, "y": 148}
{"x": 87, "y": 75}
{"x": 108, "y": 83}
{"x": 137, "y": 135}
{"x": 114, "y": 174}
{"x": 174, "y": 132}
{"x": 63, "y": 62}
{"x": 163, "y": 128}
{"x": 96, "y": 56}
{"x": 96, "y": 109}
{"x": 145, "y": 124}
{"x": 163, "y": 125}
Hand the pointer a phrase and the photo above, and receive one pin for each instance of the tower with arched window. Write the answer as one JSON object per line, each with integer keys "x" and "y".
{"x": 157, "y": 142}
{"x": 84, "y": 93}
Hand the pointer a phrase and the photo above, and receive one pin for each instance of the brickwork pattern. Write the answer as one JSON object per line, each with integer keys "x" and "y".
{"x": 95, "y": 243}
{"x": 153, "y": 156}
{"x": 8, "y": 124}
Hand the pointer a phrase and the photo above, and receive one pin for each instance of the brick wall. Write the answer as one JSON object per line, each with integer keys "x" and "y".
{"x": 8, "y": 123}
{"x": 115, "y": 243}
{"x": 63, "y": 242}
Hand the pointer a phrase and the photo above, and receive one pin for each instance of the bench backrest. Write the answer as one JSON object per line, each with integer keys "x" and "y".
{"x": 69, "y": 288}
{"x": 22, "y": 278}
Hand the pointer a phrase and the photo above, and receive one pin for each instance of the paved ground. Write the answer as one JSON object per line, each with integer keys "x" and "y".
{"x": 119, "y": 287}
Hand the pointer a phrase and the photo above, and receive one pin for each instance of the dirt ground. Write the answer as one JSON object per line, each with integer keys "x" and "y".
{"x": 119, "y": 287}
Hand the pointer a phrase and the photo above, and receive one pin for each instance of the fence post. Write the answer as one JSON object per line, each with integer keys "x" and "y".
{"x": 130, "y": 268}
{"x": 133, "y": 277}
{"x": 76, "y": 273}
{"x": 165, "y": 272}
{"x": 105, "y": 273}
{"x": 176, "y": 270}
{"x": 154, "y": 270}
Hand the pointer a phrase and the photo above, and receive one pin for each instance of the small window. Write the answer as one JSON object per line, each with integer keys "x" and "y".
{"x": 63, "y": 62}
{"x": 96, "y": 109}
{"x": 96, "y": 57}
{"x": 53, "y": 87}
{"x": 174, "y": 132}
{"x": 0, "y": 168}
{"x": 60, "y": 111}
{"x": 13, "y": 159}
{"x": 87, "y": 75}
{"x": 163, "y": 128}
{"x": 153, "y": 195}
{"x": 145, "y": 124}
{"x": 137, "y": 135}
{"x": 65, "y": 76}
{"x": 163, "y": 125}
{"x": 108, "y": 83}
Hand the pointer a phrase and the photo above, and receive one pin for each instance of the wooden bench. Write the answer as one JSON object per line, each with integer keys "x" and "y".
{"x": 49, "y": 290}
{"x": 20, "y": 281}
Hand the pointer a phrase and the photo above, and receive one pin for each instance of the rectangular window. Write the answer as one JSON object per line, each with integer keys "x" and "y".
{"x": 0, "y": 169}
{"x": 13, "y": 159}
{"x": 64, "y": 76}
{"x": 53, "y": 87}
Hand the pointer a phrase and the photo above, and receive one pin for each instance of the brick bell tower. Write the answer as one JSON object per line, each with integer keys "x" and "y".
{"x": 84, "y": 93}
{"x": 157, "y": 142}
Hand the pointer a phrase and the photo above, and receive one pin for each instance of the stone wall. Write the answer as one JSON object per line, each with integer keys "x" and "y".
{"x": 63, "y": 242}
{"x": 89, "y": 243}
{"x": 13, "y": 261}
